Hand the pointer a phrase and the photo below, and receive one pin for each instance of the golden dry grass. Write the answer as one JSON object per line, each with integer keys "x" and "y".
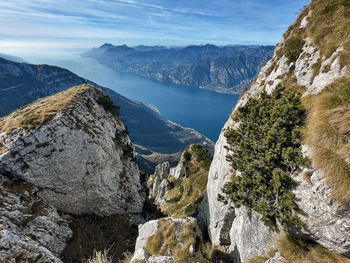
{"x": 100, "y": 257}
{"x": 41, "y": 111}
{"x": 127, "y": 258}
{"x": 327, "y": 132}
{"x": 328, "y": 28}
{"x": 174, "y": 239}
{"x": 297, "y": 251}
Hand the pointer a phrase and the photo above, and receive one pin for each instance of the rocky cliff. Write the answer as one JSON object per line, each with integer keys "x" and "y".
{"x": 64, "y": 158}
{"x": 227, "y": 69}
{"x": 313, "y": 59}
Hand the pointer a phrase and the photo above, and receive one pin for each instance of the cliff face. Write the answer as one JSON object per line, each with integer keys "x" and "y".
{"x": 69, "y": 153}
{"x": 301, "y": 61}
{"x": 226, "y": 69}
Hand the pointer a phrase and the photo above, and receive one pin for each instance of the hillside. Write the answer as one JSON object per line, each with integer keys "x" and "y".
{"x": 23, "y": 83}
{"x": 291, "y": 171}
{"x": 227, "y": 69}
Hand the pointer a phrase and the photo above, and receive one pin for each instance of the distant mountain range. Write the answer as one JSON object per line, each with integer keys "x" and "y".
{"x": 227, "y": 69}
{"x": 22, "y": 83}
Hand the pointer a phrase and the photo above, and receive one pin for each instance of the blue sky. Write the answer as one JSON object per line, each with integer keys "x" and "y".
{"x": 70, "y": 24}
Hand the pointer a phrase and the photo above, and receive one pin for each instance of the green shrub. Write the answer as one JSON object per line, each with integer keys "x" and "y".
{"x": 293, "y": 48}
{"x": 106, "y": 102}
{"x": 187, "y": 156}
{"x": 266, "y": 148}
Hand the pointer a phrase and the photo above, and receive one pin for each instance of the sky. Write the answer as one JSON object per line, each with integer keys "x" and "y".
{"x": 28, "y": 26}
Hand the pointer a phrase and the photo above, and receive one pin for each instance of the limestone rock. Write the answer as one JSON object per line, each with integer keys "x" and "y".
{"x": 249, "y": 236}
{"x": 220, "y": 216}
{"x": 150, "y": 228}
{"x": 159, "y": 184}
{"x": 31, "y": 230}
{"x": 278, "y": 258}
{"x": 79, "y": 160}
{"x": 326, "y": 222}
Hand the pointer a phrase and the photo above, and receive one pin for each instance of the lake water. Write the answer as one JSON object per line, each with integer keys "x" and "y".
{"x": 203, "y": 110}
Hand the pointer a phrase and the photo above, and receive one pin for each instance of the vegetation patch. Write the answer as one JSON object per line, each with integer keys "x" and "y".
{"x": 121, "y": 140}
{"x": 187, "y": 192}
{"x": 266, "y": 149}
{"x": 175, "y": 239}
{"x": 327, "y": 132}
{"x": 296, "y": 250}
{"x": 293, "y": 48}
{"x": 92, "y": 233}
{"x": 106, "y": 102}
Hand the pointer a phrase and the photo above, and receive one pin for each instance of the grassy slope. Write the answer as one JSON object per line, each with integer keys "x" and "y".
{"x": 187, "y": 192}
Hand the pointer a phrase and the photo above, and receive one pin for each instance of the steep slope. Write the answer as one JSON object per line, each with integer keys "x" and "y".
{"x": 66, "y": 161}
{"x": 23, "y": 83}
{"x": 313, "y": 60}
{"x": 227, "y": 69}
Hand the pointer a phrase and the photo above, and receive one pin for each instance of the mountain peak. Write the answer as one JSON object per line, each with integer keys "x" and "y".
{"x": 44, "y": 110}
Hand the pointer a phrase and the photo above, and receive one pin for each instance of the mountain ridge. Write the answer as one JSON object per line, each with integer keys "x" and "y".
{"x": 226, "y": 69}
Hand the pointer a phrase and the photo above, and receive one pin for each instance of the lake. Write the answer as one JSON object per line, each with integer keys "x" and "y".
{"x": 202, "y": 110}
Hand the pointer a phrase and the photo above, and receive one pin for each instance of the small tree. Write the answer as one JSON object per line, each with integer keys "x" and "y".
{"x": 266, "y": 149}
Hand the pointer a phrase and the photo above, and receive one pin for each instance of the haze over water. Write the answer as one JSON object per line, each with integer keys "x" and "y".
{"x": 202, "y": 110}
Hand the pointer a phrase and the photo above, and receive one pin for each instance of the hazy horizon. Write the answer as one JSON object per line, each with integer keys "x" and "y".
{"x": 47, "y": 27}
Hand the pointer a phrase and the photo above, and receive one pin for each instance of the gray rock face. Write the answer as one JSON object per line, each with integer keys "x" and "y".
{"x": 326, "y": 222}
{"x": 160, "y": 185}
{"x": 145, "y": 231}
{"x": 30, "y": 229}
{"x": 249, "y": 236}
{"x": 77, "y": 161}
{"x": 219, "y": 216}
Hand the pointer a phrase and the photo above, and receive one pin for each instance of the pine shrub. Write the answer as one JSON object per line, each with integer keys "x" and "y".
{"x": 266, "y": 149}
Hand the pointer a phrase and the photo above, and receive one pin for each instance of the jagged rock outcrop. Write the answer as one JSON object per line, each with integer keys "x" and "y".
{"x": 65, "y": 158}
{"x": 79, "y": 159}
{"x": 159, "y": 183}
{"x": 181, "y": 234}
{"x": 326, "y": 222}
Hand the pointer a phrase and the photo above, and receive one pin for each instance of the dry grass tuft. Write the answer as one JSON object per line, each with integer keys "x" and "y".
{"x": 127, "y": 257}
{"x": 327, "y": 132}
{"x": 298, "y": 251}
{"x": 100, "y": 257}
{"x": 295, "y": 250}
{"x": 174, "y": 239}
{"x": 328, "y": 27}
{"x": 41, "y": 111}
